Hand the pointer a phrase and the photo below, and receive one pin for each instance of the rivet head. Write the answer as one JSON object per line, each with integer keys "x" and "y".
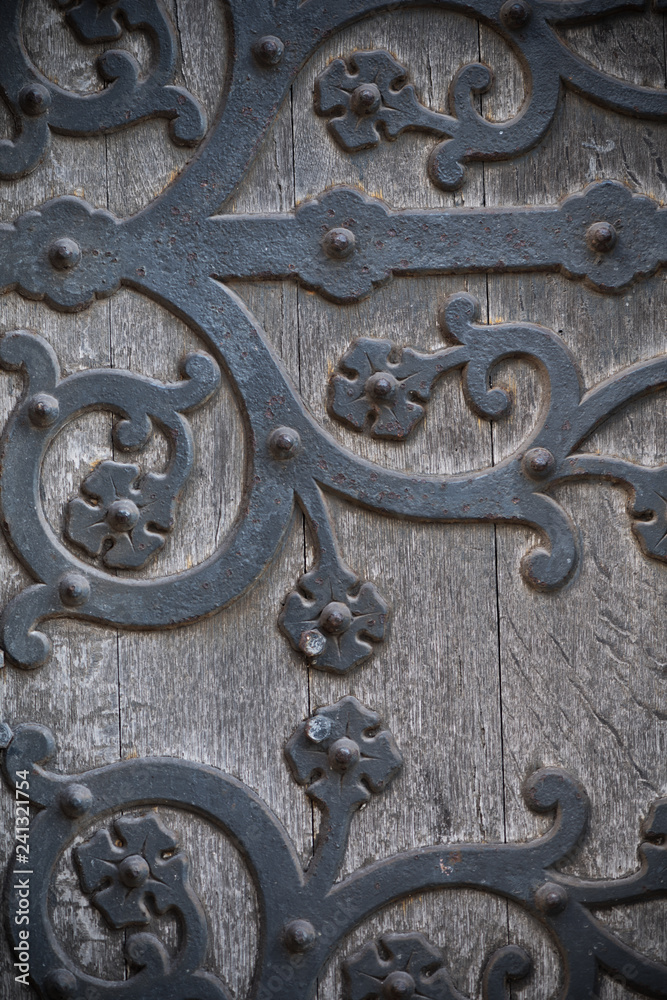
{"x": 133, "y": 871}
{"x": 73, "y": 589}
{"x": 299, "y": 936}
{"x": 335, "y": 618}
{"x": 268, "y": 50}
{"x": 343, "y": 753}
{"x": 365, "y": 99}
{"x": 43, "y": 410}
{"x": 515, "y": 14}
{"x": 538, "y": 463}
{"x": 34, "y": 99}
{"x": 318, "y": 728}
{"x": 339, "y": 243}
{"x": 64, "y": 254}
{"x": 60, "y": 985}
{"x": 601, "y": 237}
{"x": 75, "y": 800}
{"x": 381, "y": 386}
{"x": 312, "y": 642}
{"x": 398, "y": 986}
{"x": 551, "y": 898}
{"x": 284, "y": 443}
{"x": 122, "y": 515}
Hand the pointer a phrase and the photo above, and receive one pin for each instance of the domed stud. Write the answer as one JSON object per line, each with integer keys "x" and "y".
{"x": 515, "y": 14}
{"x": 64, "y": 254}
{"x": 43, "y": 410}
{"x": 318, "y": 728}
{"x": 538, "y": 463}
{"x": 34, "y": 99}
{"x": 398, "y": 986}
{"x": 73, "y": 589}
{"x": 335, "y": 618}
{"x": 365, "y": 99}
{"x": 381, "y": 386}
{"x": 312, "y": 642}
{"x": 133, "y": 871}
{"x": 75, "y": 800}
{"x": 268, "y": 50}
{"x": 601, "y": 237}
{"x": 343, "y": 754}
{"x": 339, "y": 243}
{"x": 284, "y": 443}
{"x": 299, "y": 936}
{"x": 551, "y": 898}
{"x": 122, "y": 515}
{"x": 60, "y": 985}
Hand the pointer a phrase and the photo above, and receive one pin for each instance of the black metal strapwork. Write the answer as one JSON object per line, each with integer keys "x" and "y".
{"x": 133, "y": 869}
{"x": 180, "y": 251}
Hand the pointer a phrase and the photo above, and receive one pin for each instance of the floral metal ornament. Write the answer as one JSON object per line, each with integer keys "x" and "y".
{"x": 330, "y": 623}
{"x": 403, "y": 966}
{"x": 385, "y": 392}
{"x": 370, "y": 98}
{"x": 342, "y": 756}
{"x": 138, "y": 865}
{"x": 114, "y": 521}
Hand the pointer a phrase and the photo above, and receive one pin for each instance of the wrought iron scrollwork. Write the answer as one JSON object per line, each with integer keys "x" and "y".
{"x": 343, "y": 757}
{"x": 40, "y": 106}
{"x": 329, "y": 619}
{"x": 341, "y": 245}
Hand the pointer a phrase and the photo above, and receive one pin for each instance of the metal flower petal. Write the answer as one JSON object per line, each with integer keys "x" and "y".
{"x": 121, "y": 872}
{"x": 387, "y": 384}
{"x": 398, "y": 965}
{"x": 330, "y": 624}
{"x": 114, "y": 523}
{"x": 340, "y": 753}
{"x": 369, "y": 98}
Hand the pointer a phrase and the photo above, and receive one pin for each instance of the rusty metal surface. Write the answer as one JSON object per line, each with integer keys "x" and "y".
{"x": 132, "y": 870}
{"x": 342, "y": 245}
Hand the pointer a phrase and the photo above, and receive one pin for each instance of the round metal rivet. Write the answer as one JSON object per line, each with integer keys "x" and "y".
{"x": 299, "y": 936}
{"x": 365, "y": 99}
{"x": 318, "y": 728}
{"x": 268, "y": 50}
{"x": 601, "y": 237}
{"x": 284, "y": 443}
{"x": 551, "y": 898}
{"x": 515, "y": 14}
{"x": 343, "y": 753}
{"x": 73, "y": 589}
{"x": 64, "y": 254}
{"x": 538, "y": 463}
{"x": 398, "y": 986}
{"x": 122, "y": 515}
{"x": 60, "y": 985}
{"x": 75, "y": 800}
{"x": 339, "y": 243}
{"x": 335, "y": 618}
{"x": 133, "y": 871}
{"x": 34, "y": 99}
{"x": 312, "y": 642}
{"x": 43, "y": 410}
{"x": 381, "y": 386}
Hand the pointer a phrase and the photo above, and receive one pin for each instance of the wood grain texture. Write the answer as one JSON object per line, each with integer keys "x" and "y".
{"x": 481, "y": 680}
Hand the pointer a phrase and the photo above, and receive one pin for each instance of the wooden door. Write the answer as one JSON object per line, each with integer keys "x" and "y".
{"x": 372, "y": 586}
